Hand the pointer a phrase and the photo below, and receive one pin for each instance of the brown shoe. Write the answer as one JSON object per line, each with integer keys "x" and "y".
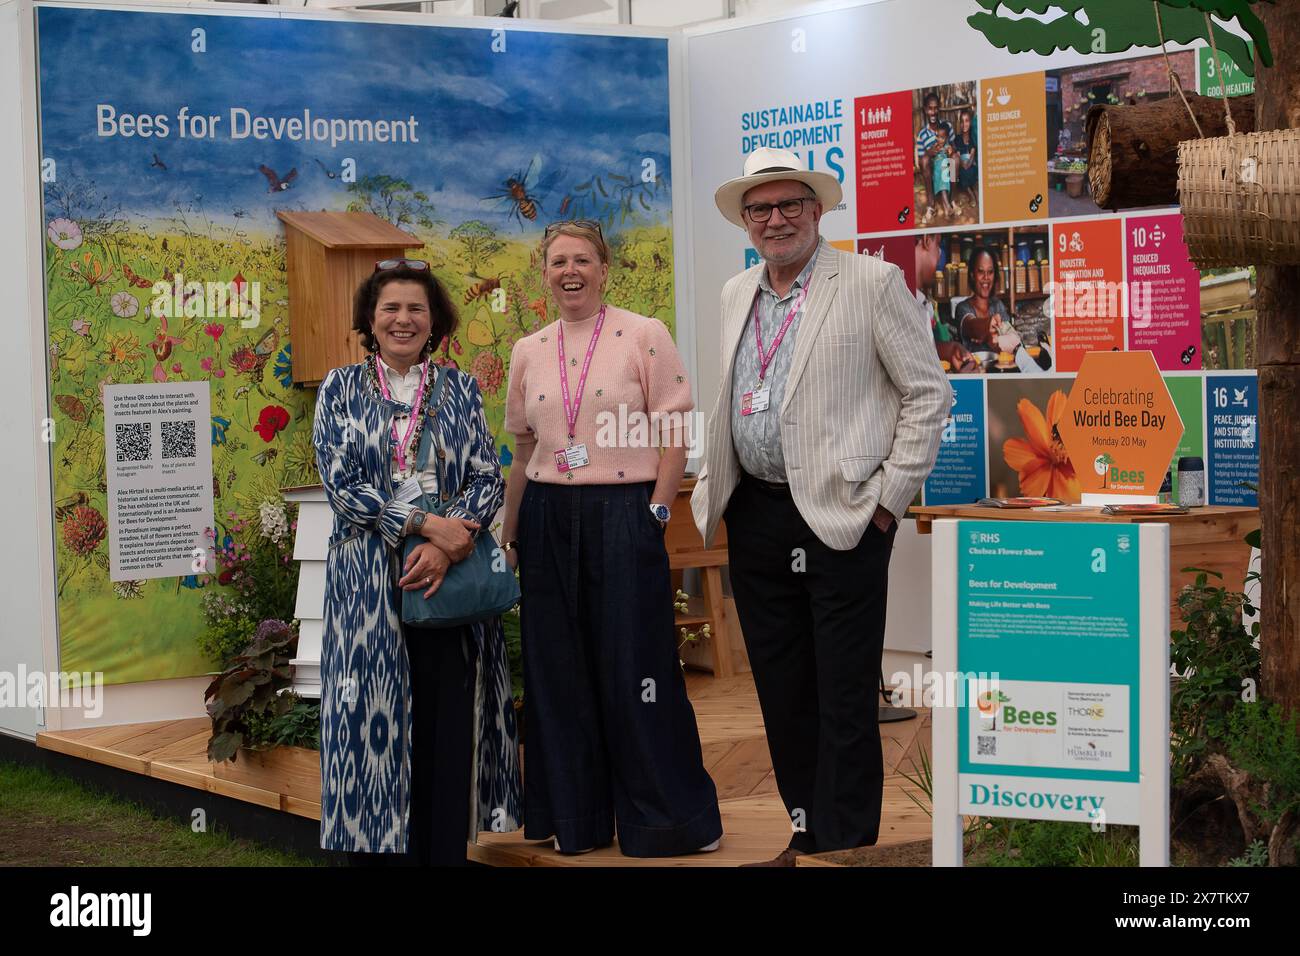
{"x": 784, "y": 858}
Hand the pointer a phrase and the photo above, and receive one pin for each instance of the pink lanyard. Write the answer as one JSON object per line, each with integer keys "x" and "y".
{"x": 765, "y": 358}
{"x": 571, "y": 414}
{"x": 415, "y": 411}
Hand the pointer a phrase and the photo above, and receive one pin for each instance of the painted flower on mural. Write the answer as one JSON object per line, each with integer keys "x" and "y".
{"x": 214, "y": 329}
{"x": 300, "y": 459}
{"x": 81, "y": 327}
{"x": 64, "y": 233}
{"x": 83, "y": 530}
{"x": 124, "y": 304}
{"x": 122, "y": 347}
{"x": 245, "y": 360}
{"x": 283, "y": 368}
{"x": 126, "y": 590}
{"x": 219, "y": 426}
{"x": 275, "y": 525}
{"x": 1040, "y": 458}
{"x": 489, "y": 371}
{"x": 207, "y": 363}
{"x": 272, "y": 421}
{"x": 91, "y": 271}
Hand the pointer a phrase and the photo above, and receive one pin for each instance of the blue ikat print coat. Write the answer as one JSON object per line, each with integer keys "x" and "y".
{"x": 365, "y": 741}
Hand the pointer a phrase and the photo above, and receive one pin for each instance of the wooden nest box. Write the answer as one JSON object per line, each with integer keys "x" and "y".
{"x": 327, "y": 256}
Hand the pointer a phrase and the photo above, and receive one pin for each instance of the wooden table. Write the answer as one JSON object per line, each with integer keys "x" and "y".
{"x": 1212, "y": 538}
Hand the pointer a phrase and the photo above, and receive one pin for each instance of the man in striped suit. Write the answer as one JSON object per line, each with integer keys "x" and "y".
{"x": 827, "y": 421}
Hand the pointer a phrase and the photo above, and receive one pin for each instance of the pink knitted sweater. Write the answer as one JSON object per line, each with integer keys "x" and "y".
{"x": 635, "y": 385}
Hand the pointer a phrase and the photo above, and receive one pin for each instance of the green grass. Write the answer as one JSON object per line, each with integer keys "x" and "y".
{"x": 50, "y": 820}
{"x": 1038, "y": 843}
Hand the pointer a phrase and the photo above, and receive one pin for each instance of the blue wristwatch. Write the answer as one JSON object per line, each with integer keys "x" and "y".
{"x": 661, "y": 513}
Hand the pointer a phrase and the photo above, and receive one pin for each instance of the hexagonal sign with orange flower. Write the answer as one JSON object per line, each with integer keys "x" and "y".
{"x": 1120, "y": 424}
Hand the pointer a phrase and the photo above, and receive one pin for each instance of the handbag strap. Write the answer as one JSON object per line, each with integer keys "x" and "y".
{"x": 436, "y": 397}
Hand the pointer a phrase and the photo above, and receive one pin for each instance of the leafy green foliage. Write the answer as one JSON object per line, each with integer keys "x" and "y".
{"x": 260, "y": 581}
{"x": 1256, "y": 855}
{"x": 250, "y": 689}
{"x": 1113, "y": 26}
{"x": 1213, "y": 654}
{"x": 299, "y": 727}
{"x": 227, "y": 633}
{"x": 1262, "y": 741}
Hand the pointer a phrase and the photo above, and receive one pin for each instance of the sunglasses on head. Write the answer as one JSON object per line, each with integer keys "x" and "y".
{"x": 419, "y": 265}
{"x": 580, "y": 223}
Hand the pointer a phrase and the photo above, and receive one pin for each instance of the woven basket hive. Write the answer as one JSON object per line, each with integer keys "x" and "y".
{"x": 1240, "y": 198}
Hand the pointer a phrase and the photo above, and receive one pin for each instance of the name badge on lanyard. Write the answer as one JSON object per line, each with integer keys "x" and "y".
{"x": 758, "y": 399}
{"x": 575, "y": 455}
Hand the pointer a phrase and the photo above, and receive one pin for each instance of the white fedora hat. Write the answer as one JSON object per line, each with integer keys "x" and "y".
{"x": 765, "y": 165}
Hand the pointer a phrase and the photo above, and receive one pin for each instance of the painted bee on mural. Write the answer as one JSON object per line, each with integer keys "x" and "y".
{"x": 524, "y": 192}
{"x": 65, "y": 506}
{"x": 482, "y": 289}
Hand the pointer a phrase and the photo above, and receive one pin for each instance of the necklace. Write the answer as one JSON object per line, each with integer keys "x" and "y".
{"x": 418, "y": 414}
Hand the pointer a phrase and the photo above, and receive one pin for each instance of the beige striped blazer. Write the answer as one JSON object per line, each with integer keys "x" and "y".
{"x": 864, "y": 405}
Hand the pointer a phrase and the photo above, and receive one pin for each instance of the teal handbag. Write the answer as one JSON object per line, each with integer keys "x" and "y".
{"x": 473, "y": 589}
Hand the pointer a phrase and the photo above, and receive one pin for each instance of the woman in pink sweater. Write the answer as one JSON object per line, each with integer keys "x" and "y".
{"x": 598, "y": 403}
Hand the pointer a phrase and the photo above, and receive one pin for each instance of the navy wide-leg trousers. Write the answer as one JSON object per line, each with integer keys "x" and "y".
{"x": 610, "y": 736}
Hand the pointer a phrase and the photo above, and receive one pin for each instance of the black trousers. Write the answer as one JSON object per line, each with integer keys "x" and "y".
{"x": 814, "y": 626}
{"x": 443, "y": 667}
{"x": 611, "y": 736}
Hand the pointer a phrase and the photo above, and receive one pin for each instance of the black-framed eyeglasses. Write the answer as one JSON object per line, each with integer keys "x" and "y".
{"x": 790, "y": 209}
{"x": 555, "y": 227}
{"x": 419, "y": 265}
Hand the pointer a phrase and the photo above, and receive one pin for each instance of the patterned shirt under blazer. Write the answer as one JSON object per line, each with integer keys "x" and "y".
{"x": 864, "y": 405}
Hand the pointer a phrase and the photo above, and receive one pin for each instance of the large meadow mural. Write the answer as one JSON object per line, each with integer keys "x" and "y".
{"x": 168, "y": 144}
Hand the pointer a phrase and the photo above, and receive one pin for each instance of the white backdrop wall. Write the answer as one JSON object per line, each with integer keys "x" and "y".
{"x": 27, "y": 622}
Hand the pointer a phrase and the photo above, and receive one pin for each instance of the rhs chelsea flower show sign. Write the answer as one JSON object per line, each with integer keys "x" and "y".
{"x": 1058, "y": 636}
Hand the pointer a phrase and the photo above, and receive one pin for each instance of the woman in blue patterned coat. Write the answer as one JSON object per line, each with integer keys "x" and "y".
{"x": 418, "y": 742}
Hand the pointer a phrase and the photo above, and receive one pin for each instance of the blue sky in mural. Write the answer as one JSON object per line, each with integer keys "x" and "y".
{"x": 549, "y": 102}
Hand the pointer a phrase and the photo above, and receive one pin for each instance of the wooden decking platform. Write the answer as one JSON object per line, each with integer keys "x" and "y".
{"x": 754, "y": 821}
{"x": 172, "y": 750}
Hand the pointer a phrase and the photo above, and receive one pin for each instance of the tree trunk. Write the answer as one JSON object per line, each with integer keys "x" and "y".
{"x": 1277, "y": 104}
{"x": 1133, "y": 150}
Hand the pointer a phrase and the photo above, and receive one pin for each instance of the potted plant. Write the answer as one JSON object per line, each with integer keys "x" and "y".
{"x": 264, "y": 736}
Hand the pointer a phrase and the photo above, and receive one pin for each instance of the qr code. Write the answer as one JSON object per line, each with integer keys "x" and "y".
{"x": 986, "y": 746}
{"x": 178, "y": 439}
{"x": 134, "y": 442}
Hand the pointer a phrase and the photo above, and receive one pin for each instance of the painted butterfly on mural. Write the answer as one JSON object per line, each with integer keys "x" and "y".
{"x": 138, "y": 281}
